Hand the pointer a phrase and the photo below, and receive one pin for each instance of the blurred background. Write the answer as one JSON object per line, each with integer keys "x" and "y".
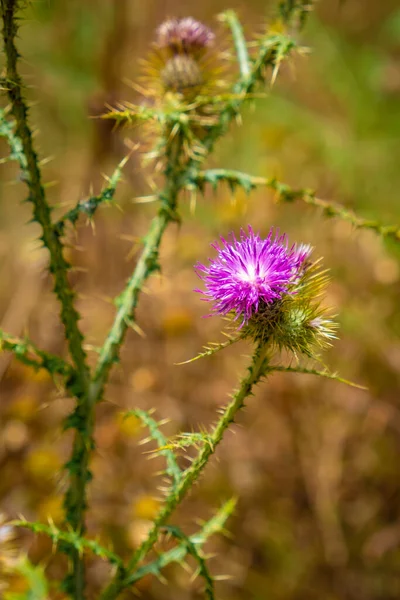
{"x": 315, "y": 464}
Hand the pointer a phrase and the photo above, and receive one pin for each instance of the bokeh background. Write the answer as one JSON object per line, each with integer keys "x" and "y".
{"x": 315, "y": 464}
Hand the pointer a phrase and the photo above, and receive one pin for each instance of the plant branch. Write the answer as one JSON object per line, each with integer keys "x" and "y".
{"x": 197, "y": 555}
{"x": 173, "y": 470}
{"x": 307, "y": 371}
{"x": 78, "y": 384}
{"x": 70, "y": 538}
{"x": 230, "y": 17}
{"x": 256, "y": 371}
{"x": 147, "y": 264}
{"x": 272, "y": 51}
{"x": 286, "y": 194}
{"x": 26, "y": 352}
{"x": 89, "y": 206}
{"x": 177, "y": 554}
{"x": 41, "y": 210}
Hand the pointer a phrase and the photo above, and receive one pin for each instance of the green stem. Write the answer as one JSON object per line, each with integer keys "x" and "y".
{"x": 41, "y": 210}
{"x": 89, "y": 206}
{"x": 230, "y": 17}
{"x": 147, "y": 264}
{"x": 26, "y": 352}
{"x": 177, "y": 554}
{"x": 78, "y": 466}
{"x": 256, "y": 370}
{"x": 287, "y": 194}
{"x": 273, "y": 48}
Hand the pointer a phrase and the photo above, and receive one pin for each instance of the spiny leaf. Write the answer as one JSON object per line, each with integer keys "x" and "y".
{"x": 214, "y": 525}
{"x": 193, "y": 551}
{"x": 183, "y": 440}
{"x": 325, "y": 373}
{"x": 173, "y": 469}
{"x": 26, "y": 352}
{"x": 211, "y": 349}
{"x": 89, "y": 206}
{"x": 71, "y": 539}
{"x": 287, "y": 194}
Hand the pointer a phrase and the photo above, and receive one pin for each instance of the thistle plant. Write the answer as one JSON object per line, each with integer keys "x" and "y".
{"x": 269, "y": 293}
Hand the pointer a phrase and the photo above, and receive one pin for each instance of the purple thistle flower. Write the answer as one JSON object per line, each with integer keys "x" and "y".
{"x": 251, "y": 272}
{"x": 184, "y": 35}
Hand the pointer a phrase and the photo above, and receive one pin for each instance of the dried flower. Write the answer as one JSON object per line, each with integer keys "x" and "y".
{"x": 184, "y": 35}
{"x": 271, "y": 288}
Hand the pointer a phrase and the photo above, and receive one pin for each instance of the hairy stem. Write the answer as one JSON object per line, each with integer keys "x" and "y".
{"x": 41, "y": 209}
{"x": 287, "y": 194}
{"x": 147, "y": 264}
{"x": 256, "y": 371}
{"x": 26, "y": 352}
{"x": 78, "y": 466}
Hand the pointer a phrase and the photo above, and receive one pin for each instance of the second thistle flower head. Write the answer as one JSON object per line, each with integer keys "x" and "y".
{"x": 270, "y": 287}
{"x": 184, "y": 35}
{"x": 181, "y": 62}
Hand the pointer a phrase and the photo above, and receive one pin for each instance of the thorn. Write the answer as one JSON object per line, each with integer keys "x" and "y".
{"x": 145, "y": 441}
{"x": 186, "y": 567}
{"x": 145, "y": 199}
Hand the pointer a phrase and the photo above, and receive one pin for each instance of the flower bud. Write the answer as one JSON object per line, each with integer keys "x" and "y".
{"x": 181, "y": 73}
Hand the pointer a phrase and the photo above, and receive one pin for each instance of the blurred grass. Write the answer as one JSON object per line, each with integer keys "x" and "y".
{"x": 315, "y": 464}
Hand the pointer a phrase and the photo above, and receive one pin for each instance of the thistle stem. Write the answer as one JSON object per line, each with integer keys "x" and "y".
{"x": 230, "y": 17}
{"x": 256, "y": 371}
{"x": 147, "y": 264}
{"x": 287, "y": 194}
{"x": 79, "y": 475}
{"x": 41, "y": 209}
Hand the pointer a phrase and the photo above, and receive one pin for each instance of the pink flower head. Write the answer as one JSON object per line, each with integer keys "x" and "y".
{"x": 251, "y": 272}
{"x": 184, "y": 35}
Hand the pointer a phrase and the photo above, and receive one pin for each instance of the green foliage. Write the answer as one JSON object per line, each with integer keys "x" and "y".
{"x": 286, "y": 194}
{"x": 197, "y": 555}
{"x": 308, "y": 371}
{"x": 72, "y": 539}
{"x": 89, "y": 206}
{"x": 173, "y": 469}
{"x": 178, "y": 554}
{"x": 26, "y": 352}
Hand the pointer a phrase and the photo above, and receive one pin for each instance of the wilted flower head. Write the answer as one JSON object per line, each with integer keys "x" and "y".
{"x": 270, "y": 287}
{"x": 184, "y": 35}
